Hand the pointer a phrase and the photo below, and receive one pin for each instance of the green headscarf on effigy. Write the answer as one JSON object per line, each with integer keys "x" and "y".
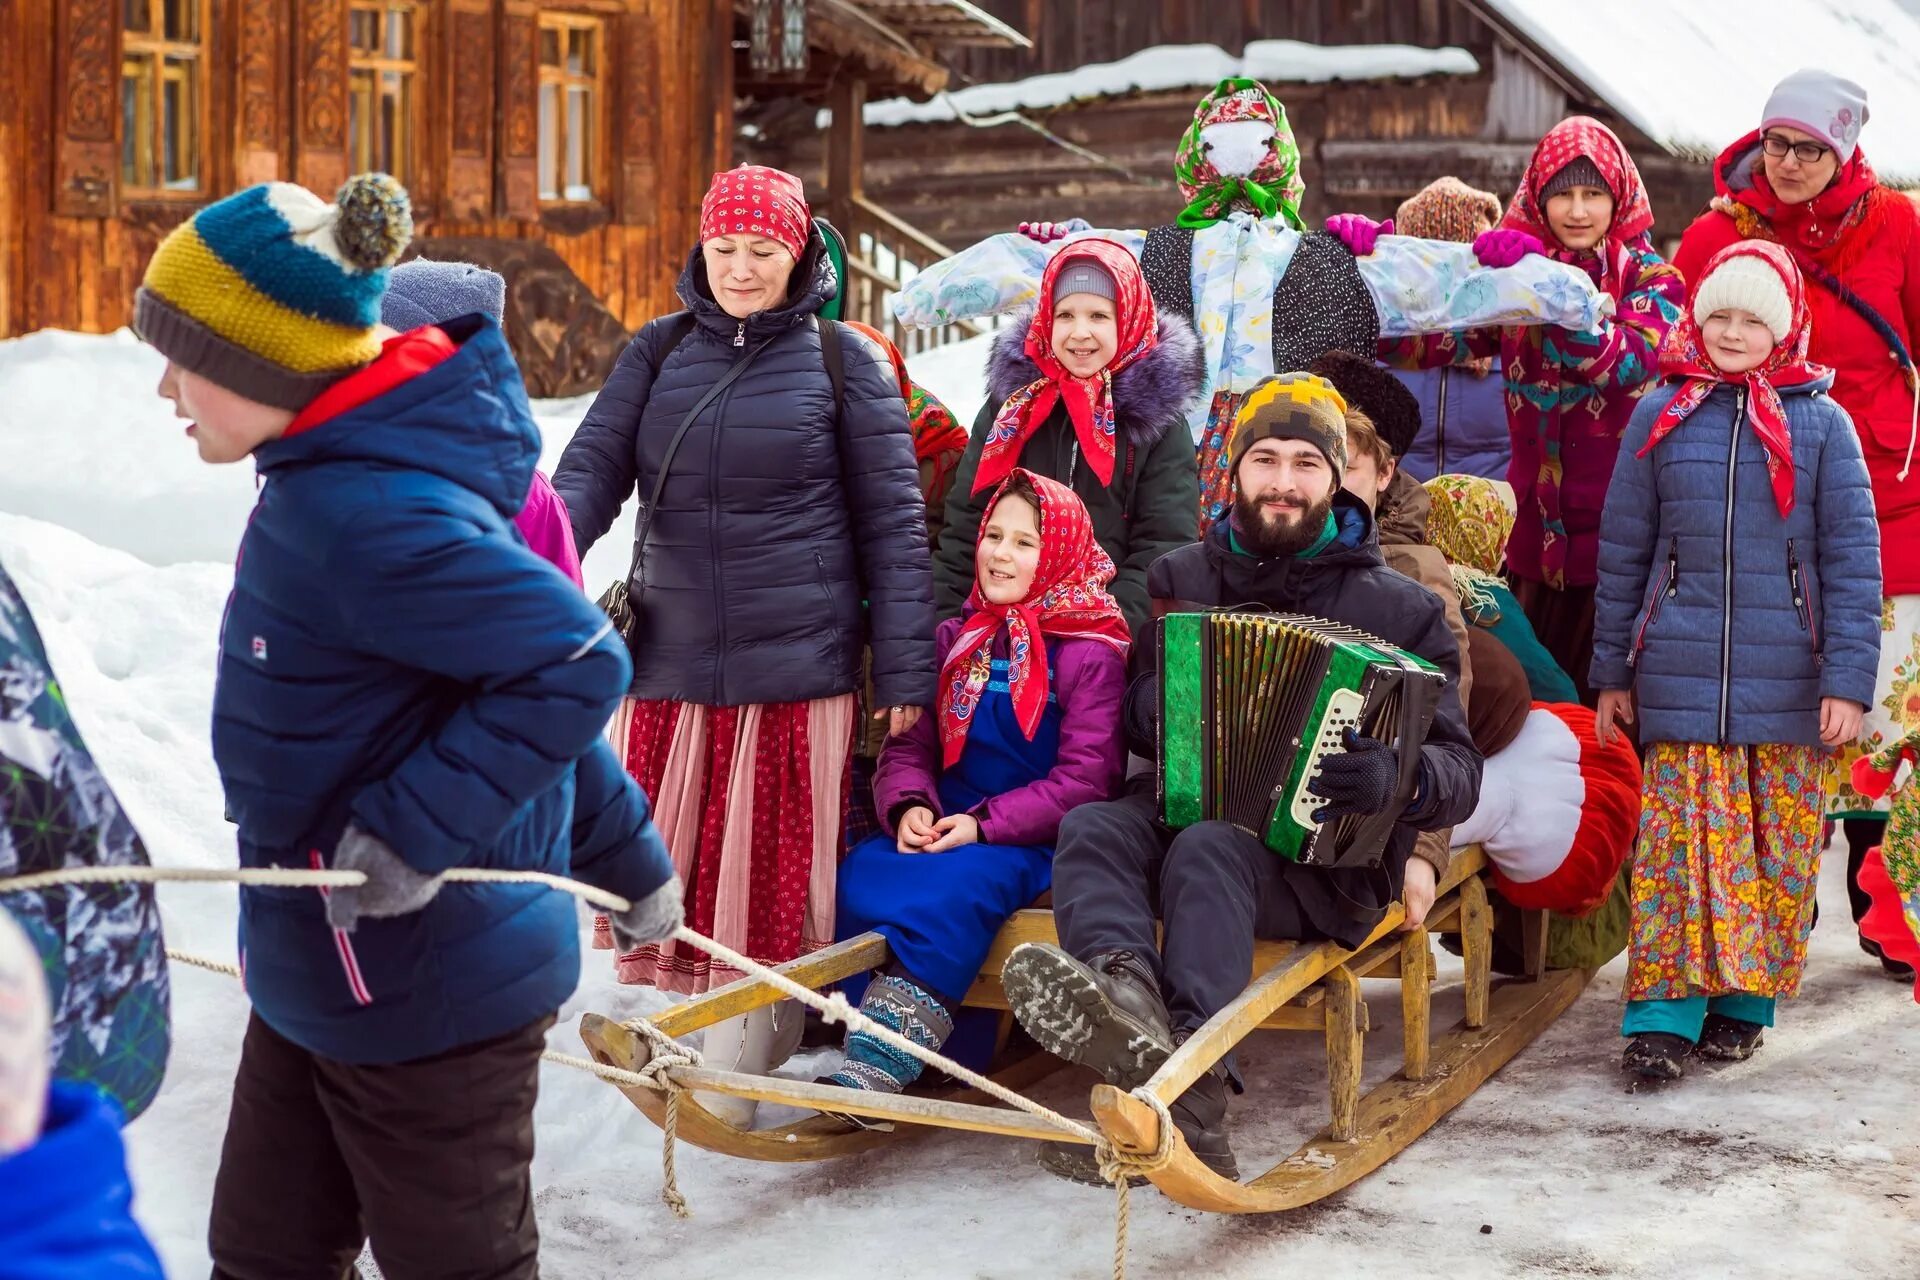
{"x": 1273, "y": 187}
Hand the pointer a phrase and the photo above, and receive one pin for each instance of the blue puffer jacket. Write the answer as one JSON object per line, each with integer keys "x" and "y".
{"x": 394, "y": 655}
{"x": 1463, "y": 423}
{"x": 66, "y": 1203}
{"x": 781, "y": 513}
{"x": 1732, "y": 622}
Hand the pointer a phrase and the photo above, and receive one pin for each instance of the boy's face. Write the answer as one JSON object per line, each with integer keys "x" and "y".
{"x": 225, "y": 425}
{"x": 1367, "y": 476}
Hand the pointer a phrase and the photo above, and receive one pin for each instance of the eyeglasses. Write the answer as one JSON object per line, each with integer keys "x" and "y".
{"x": 1805, "y": 152}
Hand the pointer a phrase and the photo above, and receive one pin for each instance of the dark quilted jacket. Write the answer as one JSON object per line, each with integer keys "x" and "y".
{"x": 1731, "y": 621}
{"x": 779, "y": 517}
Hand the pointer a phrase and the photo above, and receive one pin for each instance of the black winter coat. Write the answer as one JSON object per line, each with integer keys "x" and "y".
{"x": 1145, "y": 512}
{"x": 779, "y": 516}
{"x": 1347, "y": 582}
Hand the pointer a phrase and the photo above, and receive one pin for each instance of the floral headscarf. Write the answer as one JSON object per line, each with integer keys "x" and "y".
{"x": 1069, "y": 597}
{"x": 1089, "y": 400}
{"x": 1274, "y": 188}
{"x": 1683, "y": 355}
{"x": 1470, "y": 522}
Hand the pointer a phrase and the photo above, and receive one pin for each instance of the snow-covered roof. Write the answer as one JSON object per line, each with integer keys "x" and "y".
{"x": 1180, "y": 66}
{"x": 1693, "y": 77}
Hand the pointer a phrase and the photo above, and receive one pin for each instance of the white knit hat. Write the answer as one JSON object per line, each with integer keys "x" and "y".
{"x": 1749, "y": 284}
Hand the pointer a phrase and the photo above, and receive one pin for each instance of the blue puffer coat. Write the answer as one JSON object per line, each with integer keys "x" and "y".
{"x": 66, "y": 1203}
{"x": 780, "y": 514}
{"x": 394, "y": 655}
{"x": 1463, "y": 423}
{"x": 1732, "y": 622}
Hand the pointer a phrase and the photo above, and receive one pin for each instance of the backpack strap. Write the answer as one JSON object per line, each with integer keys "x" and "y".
{"x": 830, "y": 356}
{"x": 672, "y": 331}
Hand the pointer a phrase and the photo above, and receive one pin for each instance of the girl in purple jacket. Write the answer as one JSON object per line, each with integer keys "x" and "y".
{"x": 1028, "y": 727}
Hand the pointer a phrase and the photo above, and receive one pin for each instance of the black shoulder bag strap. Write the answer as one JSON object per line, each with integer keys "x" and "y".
{"x": 830, "y": 356}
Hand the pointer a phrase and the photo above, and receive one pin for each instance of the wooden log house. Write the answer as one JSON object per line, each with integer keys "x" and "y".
{"x": 566, "y": 143}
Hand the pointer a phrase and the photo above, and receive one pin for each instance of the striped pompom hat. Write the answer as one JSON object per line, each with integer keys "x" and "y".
{"x": 274, "y": 293}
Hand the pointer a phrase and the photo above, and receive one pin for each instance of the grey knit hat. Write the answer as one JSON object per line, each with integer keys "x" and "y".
{"x": 1085, "y": 275}
{"x": 423, "y": 292}
{"x": 1577, "y": 172}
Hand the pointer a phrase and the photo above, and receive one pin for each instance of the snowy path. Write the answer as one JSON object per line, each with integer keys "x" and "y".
{"x": 1804, "y": 1162}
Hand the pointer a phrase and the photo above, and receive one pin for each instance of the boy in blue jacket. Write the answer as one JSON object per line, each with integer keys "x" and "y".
{"x": 404, "y": 689}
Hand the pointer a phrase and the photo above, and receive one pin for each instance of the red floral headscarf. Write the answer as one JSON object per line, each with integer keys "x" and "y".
{"x": 1089, "y": 400}
{"x": 1683, "y": 355}
{"x": 756, "y": 200}
{"x": 1572, "y": 138}
{"x": 1069, "y": 597}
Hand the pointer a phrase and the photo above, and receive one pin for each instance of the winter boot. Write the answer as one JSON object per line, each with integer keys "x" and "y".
{"x": 1729, "y": 1039}
{"x": 907, "y": 1009}
{"x": 752, "y": 1044}
{"x": 1899, "y": 970}
{"x": 1106, "y": 1014}
{"x": 1657, "y": 1055}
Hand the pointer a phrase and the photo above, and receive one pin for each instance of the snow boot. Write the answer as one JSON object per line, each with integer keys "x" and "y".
{"x": 1729, "y": 1039}
{"x": 752, "y": 1044}
{"x": 1106, "y": 1014}
{"x": 907, "y": 1009}
{"x": 1656, "y": 1055}
{"x": 1898, "y": 970}
{"x": 1200, "y": 1114}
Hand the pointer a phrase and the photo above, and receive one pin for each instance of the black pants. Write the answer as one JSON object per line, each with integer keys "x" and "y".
{"x": 428, "y": 1159}
{"x": 1216, "y": 888}
{"x": 1862, "y": 835}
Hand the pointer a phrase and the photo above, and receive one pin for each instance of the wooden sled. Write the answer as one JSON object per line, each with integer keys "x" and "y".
{"x": 1312, "y": 987}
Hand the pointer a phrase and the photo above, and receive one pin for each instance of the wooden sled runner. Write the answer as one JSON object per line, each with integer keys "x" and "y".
{"x": 1313, "y": 987}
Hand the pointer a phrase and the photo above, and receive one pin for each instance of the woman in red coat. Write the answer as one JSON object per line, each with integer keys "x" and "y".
{"x": 1801, "y": 180}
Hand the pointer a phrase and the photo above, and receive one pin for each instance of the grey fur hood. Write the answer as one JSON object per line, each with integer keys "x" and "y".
{"x": 1150, "y": 395}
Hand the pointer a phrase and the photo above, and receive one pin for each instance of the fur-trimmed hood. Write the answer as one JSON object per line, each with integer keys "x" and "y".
{"x": 1150, "y": 395}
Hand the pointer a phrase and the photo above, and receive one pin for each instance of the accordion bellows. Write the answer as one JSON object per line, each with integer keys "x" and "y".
{"x": 1252, "y": 703}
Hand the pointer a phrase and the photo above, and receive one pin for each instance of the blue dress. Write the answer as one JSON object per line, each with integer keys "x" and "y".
{"x": 940, "y": 911}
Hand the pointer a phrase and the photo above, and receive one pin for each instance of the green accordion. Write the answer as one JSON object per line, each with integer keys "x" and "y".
{"x": 1252, "y": 703}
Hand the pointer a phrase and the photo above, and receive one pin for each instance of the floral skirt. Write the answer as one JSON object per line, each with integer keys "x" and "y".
{"x": 1896, "y": 703}
{"x": 750, "y": 801}
{"x": 1724, "y": 877}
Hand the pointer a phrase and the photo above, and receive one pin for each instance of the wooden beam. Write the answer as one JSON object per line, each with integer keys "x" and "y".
{"x": 845, "y": 156}
{"x": 1416, "y": 1003}
{"x": 1345, "y": 1011}
{"x": 821, "y": 969}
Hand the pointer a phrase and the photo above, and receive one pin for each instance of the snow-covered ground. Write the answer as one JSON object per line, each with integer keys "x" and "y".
{"x": 1804, "y": 1162}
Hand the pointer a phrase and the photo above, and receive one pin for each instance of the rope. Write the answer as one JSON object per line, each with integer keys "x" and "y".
{"x": 667, "y": 1054}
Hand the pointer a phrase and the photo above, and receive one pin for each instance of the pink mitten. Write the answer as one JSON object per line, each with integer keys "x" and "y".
{"x": 1503, "y": 246}
{"x": 1047, "y": 232}
{"x": 1358, "y": 232}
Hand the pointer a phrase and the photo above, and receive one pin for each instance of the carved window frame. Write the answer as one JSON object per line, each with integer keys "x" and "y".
{"x": 374, "y": 78}
{"x": 552, "y": 188}
{"x": 160, "y": 55}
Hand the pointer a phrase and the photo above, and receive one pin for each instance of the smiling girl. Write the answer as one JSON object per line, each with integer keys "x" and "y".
{"x": 1028, "y": 728}
{"x": 1739, "y": 605}
{"x": 1090, "y": 389}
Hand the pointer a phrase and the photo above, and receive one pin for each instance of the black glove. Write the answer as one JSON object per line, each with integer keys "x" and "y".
{"x": 1357, "y": 781}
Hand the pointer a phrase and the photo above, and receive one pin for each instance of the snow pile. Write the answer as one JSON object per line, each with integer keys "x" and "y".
{"x": 956, "y": 373}
{"x": 1177, "y": 66}
{"x": 1694, "y": 77}
{"x": 1570, "y": 1176}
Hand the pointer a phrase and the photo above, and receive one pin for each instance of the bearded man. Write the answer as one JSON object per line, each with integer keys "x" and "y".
{"x": 1114, "y": 997}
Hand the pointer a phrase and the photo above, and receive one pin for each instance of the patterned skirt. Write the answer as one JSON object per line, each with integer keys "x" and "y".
{"x": 750, "y": 801}
{"x": 1896, "y": 704}
{"x": 1215, "y": 457}
{"x": 1723, "y": 881}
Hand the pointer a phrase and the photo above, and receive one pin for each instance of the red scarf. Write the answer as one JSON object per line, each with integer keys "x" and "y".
{"x": 1069, "y": 597}
{"x": 1683, "y": 355}
{"x": 1089, "y": 400}
{"x": 1814, "y": 225}
{"x": 1572, "y": 138}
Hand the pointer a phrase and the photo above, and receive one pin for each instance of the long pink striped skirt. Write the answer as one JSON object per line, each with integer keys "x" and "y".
{"x": 751, "y": 802}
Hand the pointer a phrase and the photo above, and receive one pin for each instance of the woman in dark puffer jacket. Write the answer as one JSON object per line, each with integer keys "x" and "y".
{"x": 784, "y": 508}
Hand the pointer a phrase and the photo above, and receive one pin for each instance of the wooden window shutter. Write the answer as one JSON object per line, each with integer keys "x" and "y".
{"x": 519, "y": 81}
{"x": 320, "y": 97}
{"x": 86, "y": 154}
{"x": 469, "y": 53}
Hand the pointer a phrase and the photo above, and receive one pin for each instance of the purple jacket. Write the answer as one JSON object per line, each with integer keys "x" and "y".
{"x": 544, "y": 524}
{"x": 1090, "y": 680}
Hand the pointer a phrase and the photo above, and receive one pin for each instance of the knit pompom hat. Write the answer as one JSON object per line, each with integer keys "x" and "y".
{"x": 1749, "y": 283}
{"x": 273, "y": 293}
{"x": 1293, "y": 406}
{"x": 1447, "y": 209}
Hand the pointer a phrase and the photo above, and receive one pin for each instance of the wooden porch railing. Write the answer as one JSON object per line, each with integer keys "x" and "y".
{"x": 883, "y": 253}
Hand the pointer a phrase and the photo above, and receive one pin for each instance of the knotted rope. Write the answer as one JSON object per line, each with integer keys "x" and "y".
{"x": 668, "y": 1055}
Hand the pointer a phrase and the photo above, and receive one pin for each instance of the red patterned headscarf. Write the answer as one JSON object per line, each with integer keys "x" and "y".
{"x": 1683, "y": 355}
{"x": 1089, "y": 400}
{"x": 1571, "y": 139}
{"x": 754, "y": 200}
{"x": 1069, "y": 597}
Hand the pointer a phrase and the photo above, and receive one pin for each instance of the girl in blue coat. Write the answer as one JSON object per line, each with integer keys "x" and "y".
{"x": 1739, "y": 606}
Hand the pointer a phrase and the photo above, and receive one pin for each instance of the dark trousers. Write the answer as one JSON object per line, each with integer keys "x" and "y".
{"x": 1214, "y": 886}
{"x": 428, "y": 1159}
{"x": 1862, "y": 835}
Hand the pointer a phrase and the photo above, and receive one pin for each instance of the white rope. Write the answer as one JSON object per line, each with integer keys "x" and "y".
{"x": 667, "y": 1055}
